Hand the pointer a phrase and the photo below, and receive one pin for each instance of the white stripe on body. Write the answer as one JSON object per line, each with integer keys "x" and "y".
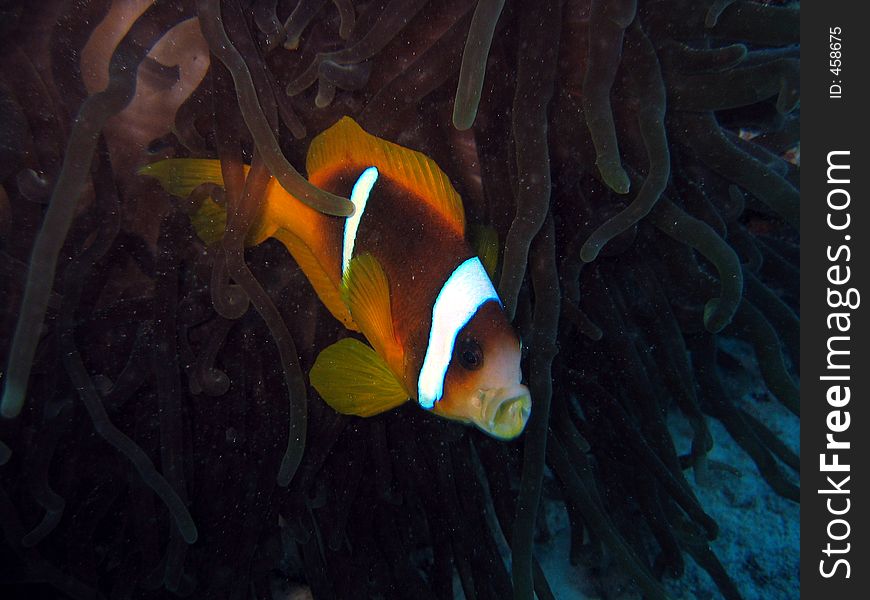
{"x": 467, "y": 288}
{"x": 359, "y": 196}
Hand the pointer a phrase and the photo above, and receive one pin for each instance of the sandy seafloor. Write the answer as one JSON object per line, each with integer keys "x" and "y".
{"x": 759, "y": 532}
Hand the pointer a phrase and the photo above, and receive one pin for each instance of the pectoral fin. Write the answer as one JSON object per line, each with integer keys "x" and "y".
{"x": 366, "y": 292}
{"x": 354, "y": 380}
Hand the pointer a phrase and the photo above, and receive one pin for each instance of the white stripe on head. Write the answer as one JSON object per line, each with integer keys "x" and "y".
{"x": 358, "y": 196}
{"x": 467, "y": 288}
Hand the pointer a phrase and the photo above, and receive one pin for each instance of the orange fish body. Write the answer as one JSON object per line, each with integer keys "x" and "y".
{"x": 399, "y": 271}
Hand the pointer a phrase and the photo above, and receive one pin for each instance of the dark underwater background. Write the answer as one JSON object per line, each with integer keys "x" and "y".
{"x": 639, "y": 161}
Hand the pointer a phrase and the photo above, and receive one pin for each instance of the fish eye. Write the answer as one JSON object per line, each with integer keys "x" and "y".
{"x": 470, "y": 355}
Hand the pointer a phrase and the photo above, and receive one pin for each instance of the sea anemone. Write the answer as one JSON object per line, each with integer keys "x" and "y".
{"x": 637, "y": 160}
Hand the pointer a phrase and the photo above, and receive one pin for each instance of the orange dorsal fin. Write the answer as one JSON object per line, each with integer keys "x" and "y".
{"x": 347, "y": 144}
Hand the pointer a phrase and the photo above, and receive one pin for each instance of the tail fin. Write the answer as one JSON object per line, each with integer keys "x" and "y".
{"x": 180, "y": 177}
{"x": 209, "y": 221}
{"x": 294, "y": 224}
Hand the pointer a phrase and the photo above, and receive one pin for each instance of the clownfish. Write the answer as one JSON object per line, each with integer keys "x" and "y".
{"x": 398, "y": 270}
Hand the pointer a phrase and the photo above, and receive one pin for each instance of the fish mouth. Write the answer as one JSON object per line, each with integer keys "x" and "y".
{"x": 506, "y": 412}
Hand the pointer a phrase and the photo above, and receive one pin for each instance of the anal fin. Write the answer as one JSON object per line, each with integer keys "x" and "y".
{"x": 323, "y": 285}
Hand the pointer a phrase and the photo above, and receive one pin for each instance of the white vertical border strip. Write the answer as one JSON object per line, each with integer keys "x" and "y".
{"x": 359, "y": 196}
{"x": 467, "y": 288}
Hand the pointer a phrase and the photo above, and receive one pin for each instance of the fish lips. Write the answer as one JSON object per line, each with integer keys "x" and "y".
{"x": 505, "y": 412}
